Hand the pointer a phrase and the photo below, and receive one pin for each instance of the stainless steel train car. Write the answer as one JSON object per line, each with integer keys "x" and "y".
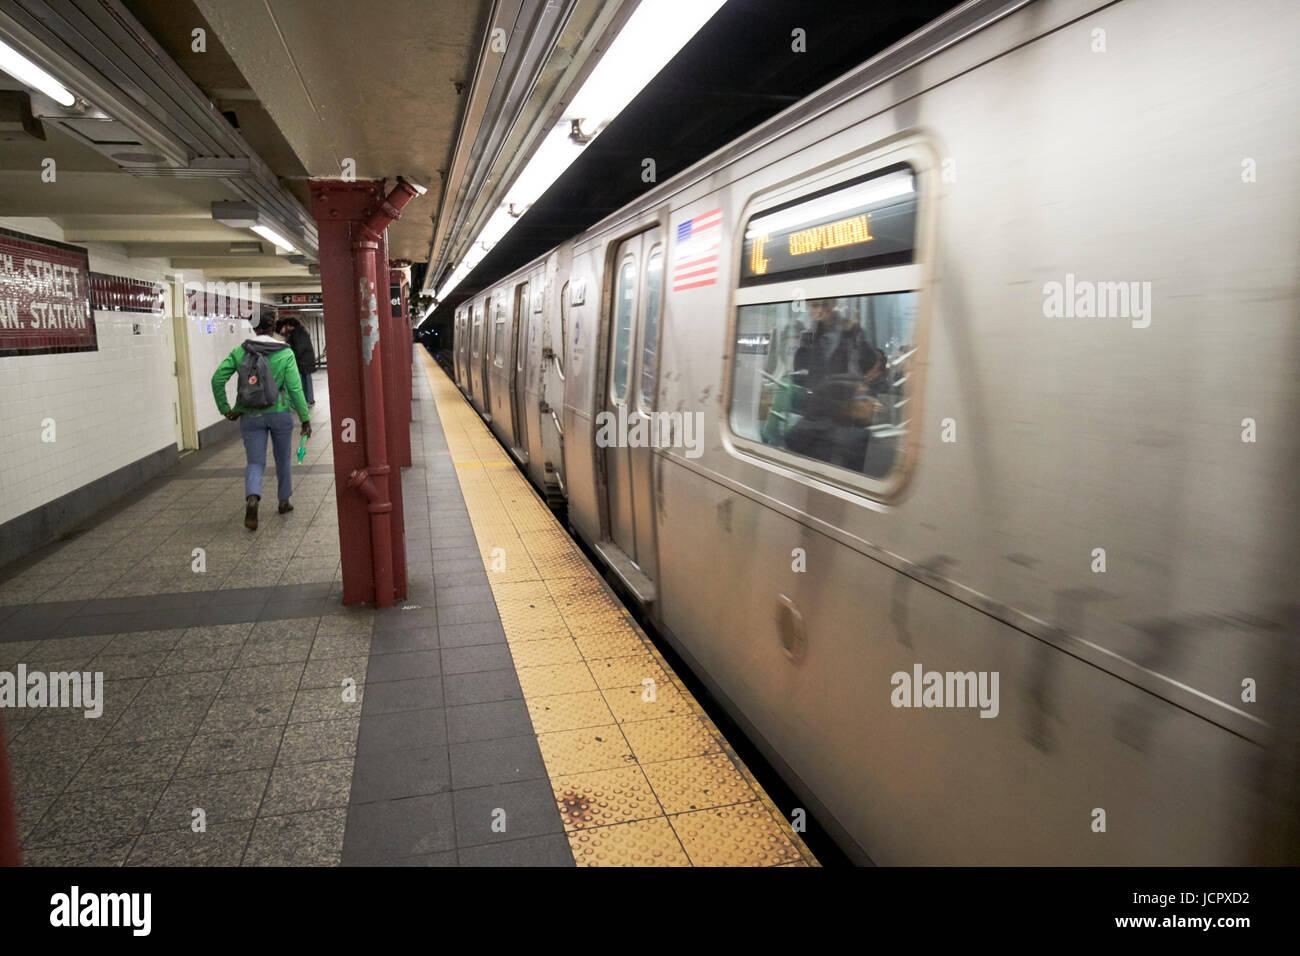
{"x": 988, "y": 533}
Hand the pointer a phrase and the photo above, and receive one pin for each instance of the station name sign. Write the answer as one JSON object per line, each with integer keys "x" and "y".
{"x": 865, "y": 223}
{"x": 44, "y": 296}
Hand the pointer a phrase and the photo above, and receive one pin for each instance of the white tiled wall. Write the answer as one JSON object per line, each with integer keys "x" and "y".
{"x": 110, "y": 407}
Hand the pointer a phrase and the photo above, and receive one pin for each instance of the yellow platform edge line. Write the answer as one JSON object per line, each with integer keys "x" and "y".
{"x": 463, "y": 427}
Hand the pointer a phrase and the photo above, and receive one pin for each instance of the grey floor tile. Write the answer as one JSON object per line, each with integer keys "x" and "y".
{"x": 397, "y": 642}
{"x": 332, "y": 671}
{"x": 488, "y": 721}
{"x": 404, "y": 666}
{"x": 403, "y": 730}
{"x": 193, "y": 658}
{"x": 230, "y": 752}
{"x": 392, "y": 696}
{"x": 319, "y": 740}
{"x": 550, "y": 850}
{"x": 139, "y": 723}
{"x": 464, "y": 635}
{"x": 468, "y": 614}
{"x": 391, "y": 830}
{"x": 503, "y": 812}
{"x": 131, "y": 764}
{"x": 401, "y": 773}
{"x": 479, "y": 763}
{"x": 280, "y": 651}
{"x": 308, "y": 786}
{"x": 230, "y": 714}
{"x": 222, "y": 797}
{"x": 326, "y": 703}
{"x": 481, "y": 686}
{"x": 221, "y": 844}
{"x": 96, "y": 815}
{"x": 313, "y": 838}
{"x": 262, "y": 680}
{"x": 405, "y": 617}
{"x": 476, "y": 657}
{"x": 110, "y": 852}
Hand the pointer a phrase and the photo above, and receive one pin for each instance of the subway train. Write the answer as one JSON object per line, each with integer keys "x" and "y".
{"x": 944, "y": 425}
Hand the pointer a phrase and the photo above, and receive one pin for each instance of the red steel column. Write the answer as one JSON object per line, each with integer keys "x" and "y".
{"x": 9, "y": 852}
{"x": 369, "y": 428}
{"x": 396, "y": 431}
{"x": 339, "y": 208}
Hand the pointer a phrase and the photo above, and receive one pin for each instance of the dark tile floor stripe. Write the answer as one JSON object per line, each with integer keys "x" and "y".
{"x": 448, "y": 769}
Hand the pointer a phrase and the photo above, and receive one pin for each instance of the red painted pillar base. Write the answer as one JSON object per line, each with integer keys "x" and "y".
{"x": 9, "y": 852}
{"x": 340, "y": 208}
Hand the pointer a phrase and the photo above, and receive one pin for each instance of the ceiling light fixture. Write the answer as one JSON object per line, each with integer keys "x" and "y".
{"x": 29, "y": 74}
{"x": 652, "y": 36}
{"x": 270, "y": 235}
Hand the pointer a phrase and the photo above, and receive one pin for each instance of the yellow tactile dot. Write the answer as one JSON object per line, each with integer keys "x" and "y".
{"x": 604, "y": 797}
{"x": 630, "y": 703}
{"x": 669, "y": 738}
{"x": 744, "y": 835}
{"x": 697, "y": 783}
{"x": 555, "y": 679}
{"x": 614, "y": 643}
{"x": 626, "y": 671}
{"x": 538, "y": 653}
{"x": 568, "y": 711}
{"x": 584, "y": 750}
{"x": 640, "y": 843}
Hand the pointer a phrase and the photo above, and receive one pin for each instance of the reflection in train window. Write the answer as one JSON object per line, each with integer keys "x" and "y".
{"x": 477, "y": 338}
{"x": 654, "y": 284}
{"x": 827, "y": 379}
{"x": 499, "y": 338}
{"x": 624, "y": 300}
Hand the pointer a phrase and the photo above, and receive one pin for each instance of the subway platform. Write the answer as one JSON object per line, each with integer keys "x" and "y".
{"x": 508, "y": 713}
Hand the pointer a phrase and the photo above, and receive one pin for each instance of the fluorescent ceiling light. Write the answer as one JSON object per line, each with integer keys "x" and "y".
{"x": 29, "y": 74}
{"x": 652, "y": 36}
{"x": 270, "y": 235}
{"x": 827, "y": 207}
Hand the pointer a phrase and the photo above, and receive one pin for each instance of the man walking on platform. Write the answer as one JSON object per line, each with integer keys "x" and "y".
{"x": 292, "y": 331}
{"x": 269, "y": 386}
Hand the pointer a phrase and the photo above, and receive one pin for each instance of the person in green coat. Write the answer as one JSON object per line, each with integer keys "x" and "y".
{"x": 276, "y": 420}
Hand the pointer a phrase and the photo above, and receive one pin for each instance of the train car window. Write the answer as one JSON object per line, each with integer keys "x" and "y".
{"x": 827, "y": 379}
{"x": 522, "y": 314}
{"x": 477, "y": 338}
{"x": 654, "y": 285}
{"x": 499, "y": 338}
{"x": 564, "y": 325}
{"x": 867, "y": 222}
{"x": 624, "y": 312}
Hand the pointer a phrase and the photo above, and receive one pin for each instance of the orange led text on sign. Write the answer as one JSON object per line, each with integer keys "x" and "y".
{"x": 832, "y": 235}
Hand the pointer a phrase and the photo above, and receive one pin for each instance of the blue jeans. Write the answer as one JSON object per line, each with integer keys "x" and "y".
{"x": 307, "y": 391}
{"x": 254, "y": 429}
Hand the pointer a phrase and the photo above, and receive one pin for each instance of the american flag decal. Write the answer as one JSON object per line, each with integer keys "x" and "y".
{"x": 695, "y": 261}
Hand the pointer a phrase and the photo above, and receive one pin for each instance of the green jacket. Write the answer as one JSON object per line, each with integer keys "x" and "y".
{"x": 284, "y": 369}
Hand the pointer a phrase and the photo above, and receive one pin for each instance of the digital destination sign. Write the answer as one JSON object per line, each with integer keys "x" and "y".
{"x": 865, "y": 223}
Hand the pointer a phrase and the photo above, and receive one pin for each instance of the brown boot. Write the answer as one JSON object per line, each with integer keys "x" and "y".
{"x": 250, "y": 512}
{"x": 285, "y": 506}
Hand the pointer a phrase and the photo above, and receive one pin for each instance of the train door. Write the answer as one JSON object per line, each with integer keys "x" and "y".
{"x": 518, "y": 385}
{"x": 625, "y": 439}
{"x": 474, "y": 368}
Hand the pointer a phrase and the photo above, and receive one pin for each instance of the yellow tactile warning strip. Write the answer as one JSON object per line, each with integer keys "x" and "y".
{"x": 641, "y": 775}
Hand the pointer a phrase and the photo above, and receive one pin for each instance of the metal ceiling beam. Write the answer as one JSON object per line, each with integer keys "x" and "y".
{"x": 516, "y": 98}
{"x": 107, "y": 58}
